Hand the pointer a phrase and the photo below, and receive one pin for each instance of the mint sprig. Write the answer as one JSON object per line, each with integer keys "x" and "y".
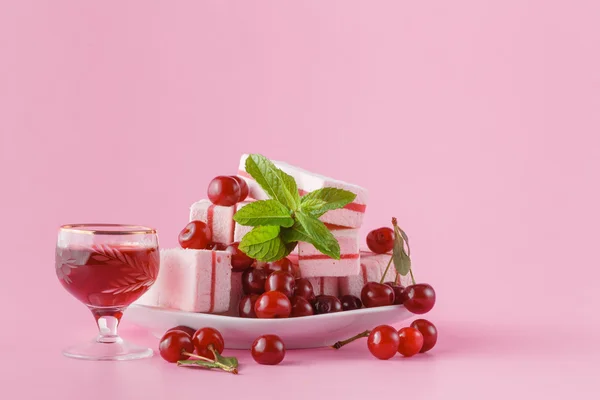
{"x": 287, "y": 218}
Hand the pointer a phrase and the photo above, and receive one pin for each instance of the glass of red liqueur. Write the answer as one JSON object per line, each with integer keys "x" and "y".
{"x": 107, "y": 267}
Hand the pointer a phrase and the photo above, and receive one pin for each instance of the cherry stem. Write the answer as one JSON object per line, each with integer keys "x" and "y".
{"x": 386, "y": 270}
{"x": 342, "y": 343}
{"x": 196, "y": 356}
{"x": 412, "y": 276}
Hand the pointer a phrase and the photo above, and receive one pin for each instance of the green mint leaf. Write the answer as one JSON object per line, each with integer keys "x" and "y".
{"x": 278, "y": 185}
{"x": 295, "y": 233}
{"x": 319, "y": 235}
{"x": 402, "y": 261}
{"x": 320, "y": 201}
{"x": 265, "y": 212}
{"x": 264, "y": 244}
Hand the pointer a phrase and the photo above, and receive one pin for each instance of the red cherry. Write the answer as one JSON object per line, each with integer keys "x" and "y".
{"x": 375, "y": 294}
{"x": 284, "y": 265}
{"x": 273, "y": 305}
{"x": 429, "y": 332}
{"x": 399, "y": 292}
{"x": 282, "y": 282}
{"x": 224, "y": 191}
{"x": 186, "y": 329}
{"x": 206, "y": 337}
{"x": 420, "y": 298}
{"x": 383, "y": 342}
{"x": 411, "y": 341}
{"x": 253, "y": 280}
{"x": 350, "y": 302}
{"x": 239, "y": 260}
{"x": 268, "y": 350}
{"x": 305, "y": 289}
{"x": 327, "y": 304}
{"x": 381, "y": 240}
{"x": 195, "y": 235}
{"x": 243, "y": 187}
{"x": 173, "y": 344}
{"x": 301, "y": 307}
{"x": 246, "y": 306}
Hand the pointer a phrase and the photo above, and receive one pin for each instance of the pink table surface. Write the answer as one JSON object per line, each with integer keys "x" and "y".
{"x": 474, "y": 122}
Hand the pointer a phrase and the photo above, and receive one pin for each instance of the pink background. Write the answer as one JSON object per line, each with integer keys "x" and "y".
{"x": 476, "y": 123}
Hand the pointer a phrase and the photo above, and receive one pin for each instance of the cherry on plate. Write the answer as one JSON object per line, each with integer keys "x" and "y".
{"x": 282, "y": 282}
{"x": 268, "y": 350}
{"x": 383, "y": 342}
{"x": 204, "y": 339}
{"x": 381, "y": 240}
{"x": 325, "y": 304}
{"x": 273, "y": 305}
{"x": 239, "y": 260}
{"x": 429, "y": 332}
{"x": 195, "y": 235}
{"x": 246, "y": 306}
{"x": 253, "y": 280}
{"x": 174, "y": 344}
{"x": 301, "y": 307}
{"x": 420, "y": 298}
{"x": 224, "y": 191}
{"x": 399, "y": 292}
{"x": 350, "y": 302}
{"x": 305, "y": 289}
{"x": 411, "y": 341}
{"x": 375, "y": 294}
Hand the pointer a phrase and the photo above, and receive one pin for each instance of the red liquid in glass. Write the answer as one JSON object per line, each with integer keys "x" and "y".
{"x": 107, "y": 276}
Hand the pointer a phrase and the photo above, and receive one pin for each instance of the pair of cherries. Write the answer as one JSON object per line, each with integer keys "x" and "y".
{"x": 179, "y": 343}
{"x": 418, "y": 298}
{"x": 227, "y": 190}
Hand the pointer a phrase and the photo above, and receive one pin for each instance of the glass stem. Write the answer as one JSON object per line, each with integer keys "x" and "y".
{"x": 108, "y": 324}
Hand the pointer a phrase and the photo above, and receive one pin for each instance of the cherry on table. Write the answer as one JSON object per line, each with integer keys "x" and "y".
{"x": 375, "y": 294}
{"x": 420, "y": 298}
{"x": 399, "y": 292}
{"x": 253, "y": 280}
{"x": 282, "y": 282}
{"x": 273, "y": 305}
{"x": 224, "y": 191}
{"x": 174, "y": 344}
{"x": 429, "y": 332}
{"x": 195, "y": 235}
{"x": 350, "y": 302}
{"x": 411, "y": 341}
{"x": 305, "y": 289}
{"x": 268, "y": 350}
{"x": 325, "y": 304}
{"x": 246, "y": 306}
{"x": 383, "y": 342}
{"x": 204, "y": 338}
{"x": 239, "y": 260}
{"x": 186, "y": 329}
{"x": 301, "y": 307}
{"x": 243, "y": 187}
{"x": 381, "y": 240}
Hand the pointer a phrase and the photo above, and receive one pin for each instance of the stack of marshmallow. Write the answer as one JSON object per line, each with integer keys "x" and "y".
{"x": 202, "y": 280}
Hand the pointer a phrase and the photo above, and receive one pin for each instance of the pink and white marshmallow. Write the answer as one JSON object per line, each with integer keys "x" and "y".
{"x": 372, "y": 267}
{"x": 191, "y": 280}
{"x": 220, "y": 220}
{"x": 350, "y": 216}
{"x": 313, "y": 263}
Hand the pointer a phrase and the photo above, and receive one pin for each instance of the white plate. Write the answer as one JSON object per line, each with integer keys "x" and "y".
{"x": 296, "y": 333}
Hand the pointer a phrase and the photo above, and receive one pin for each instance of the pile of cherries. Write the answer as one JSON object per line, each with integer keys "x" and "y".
{"x": 180, "y": 342}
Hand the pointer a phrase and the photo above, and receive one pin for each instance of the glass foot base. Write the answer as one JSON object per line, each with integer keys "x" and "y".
{"x": 118, "y": 350}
